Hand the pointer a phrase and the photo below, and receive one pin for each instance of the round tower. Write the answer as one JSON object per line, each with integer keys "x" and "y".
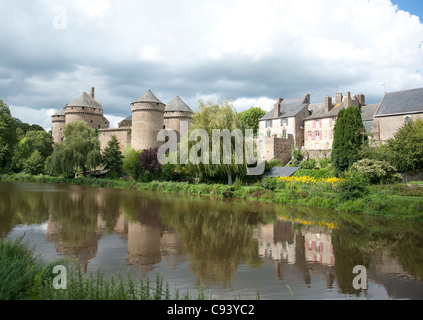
{"x": 147, "y": 121}
{"x": 86, "y": 108}
{"x": 58, "y": 124}
{"x": 175, "y": 112}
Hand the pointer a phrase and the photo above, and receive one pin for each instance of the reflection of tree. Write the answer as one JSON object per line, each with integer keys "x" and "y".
{"x": 216, "y": 240}
{"x": 409, "y": 252}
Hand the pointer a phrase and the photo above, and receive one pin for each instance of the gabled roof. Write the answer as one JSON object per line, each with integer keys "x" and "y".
{"x": 401, "y": 102}
{"x": 281, "y": 171}
{"x": 321, "y": 112}
{"x": 85, "y": 100}
{"x": 288, "y": 108}
{"x": 176, "y": 104}
{"x": 149, "y": 97}
{"x": 368, "y": 112}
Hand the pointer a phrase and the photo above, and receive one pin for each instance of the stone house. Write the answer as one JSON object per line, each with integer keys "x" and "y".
{"x": 319, "y": 126}
{"x": 396, "y": 110}
{"x": 280, "y": 130}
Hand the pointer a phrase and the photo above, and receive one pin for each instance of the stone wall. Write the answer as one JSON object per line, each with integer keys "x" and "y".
{"x": 317, "y": 154}
{"x": 123, "y": 136}
{"x": 384, "y": 128}
{"x": 94, "y": 117}
{"x": 275, "y": 148}
{"x": 147, "y": 122}
{"x": 172, "y": 121}
{"x": 58, "y": 125}
{"x": 318, "y": 134}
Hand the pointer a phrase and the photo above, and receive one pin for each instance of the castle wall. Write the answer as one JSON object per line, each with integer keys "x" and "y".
{"x": 172, "y": 121}
{"x": 94, "y": 117}
{"x": 123, "y": 136}
{"x": 58, "y": 125}
{"x": 147, "y": 122}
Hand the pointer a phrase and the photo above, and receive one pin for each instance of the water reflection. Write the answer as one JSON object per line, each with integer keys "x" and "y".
{"x": 217, "y": 239}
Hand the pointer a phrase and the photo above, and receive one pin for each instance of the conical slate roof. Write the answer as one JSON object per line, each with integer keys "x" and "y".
{"x": 85, "y": 100}
{"x": 59, "y": 113}
{"x": 176, "y": 104}
{"x": 149, "y": 97}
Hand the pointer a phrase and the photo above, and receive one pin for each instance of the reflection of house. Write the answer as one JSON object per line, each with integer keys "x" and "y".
{"x": 318, "y": 248}
{"x": 396, "y": 110}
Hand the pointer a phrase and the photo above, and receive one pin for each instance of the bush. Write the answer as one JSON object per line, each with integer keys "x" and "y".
{"x": 353, "y": 187}
{"x": 324, "y": 162}
{"x": 308, "y": 164}
{"x": 325, "y": 173}
{"x": 269, "y": 183}
{"x": 376, "y": 172}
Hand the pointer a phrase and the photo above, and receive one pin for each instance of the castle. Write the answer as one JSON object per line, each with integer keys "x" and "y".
{"x": 139, "y": 131}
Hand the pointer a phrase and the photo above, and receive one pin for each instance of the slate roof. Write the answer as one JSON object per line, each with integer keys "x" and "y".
{"x": 321, "y": 113}
{"x": 401, "y": 102}
{"x": 368, "y": 112}
{"x": 85, "y": 100}
{"x": 61, "y": 112}
{"x": 149, "y": 97}
{"x": 176, "y": 104}
{"x": 288, "y": 108}
{"x": 281, "y": 171}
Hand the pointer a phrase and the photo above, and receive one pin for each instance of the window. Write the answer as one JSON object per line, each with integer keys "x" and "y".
{"x": 284, "y": 134}
{"x": 407, "y": 120}
{"x": 309, "y": 135}
{"x": 268, "y": 133}
{"x": 317, "y": 135}
{"x": 268, "y": 123}
{"x": 334, "y": 120}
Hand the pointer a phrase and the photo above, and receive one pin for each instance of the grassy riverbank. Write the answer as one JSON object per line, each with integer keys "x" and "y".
{"x": 404, "y": 201}
{"x": 24, "y": 276}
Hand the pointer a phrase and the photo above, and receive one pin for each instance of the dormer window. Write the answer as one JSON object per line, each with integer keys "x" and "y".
{"x": 407, "y": 120}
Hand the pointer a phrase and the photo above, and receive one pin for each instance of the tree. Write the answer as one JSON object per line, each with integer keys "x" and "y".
{"x": 8, "y": 137}
{"x": 113, "y": 158}
{"x": 218, "y": 117}
{"x": 251, "y": 118}
{"x": 405, "y": 149}
{"x": 79, "y": 151}
{"x": 131, "y": 163}
{"x": 149, "y": 165}
{"x": 349, "y": 139}
{"x": 39, "y": 141}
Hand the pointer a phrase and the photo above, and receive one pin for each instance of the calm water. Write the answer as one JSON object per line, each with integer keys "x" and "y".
{"x": 231, "y": 248}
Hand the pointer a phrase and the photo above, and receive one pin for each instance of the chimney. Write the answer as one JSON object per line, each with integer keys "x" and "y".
{"x": 92, "y": 92}
{"x": 348, "y": 100}
{"x": 328, "y": 104}
{"x": 307, "y": 99}
{"x": 276, "y": 109}
{"x": 338, "y": 98}
{"x": 361, "y": 99}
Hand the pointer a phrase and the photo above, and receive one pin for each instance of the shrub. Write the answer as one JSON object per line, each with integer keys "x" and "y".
{"x": 269, "y": 183}
{"x": 308, "y": 164}
{"x": 355, "y": 186}
{"x": 376, "y": 172}
{"x": 324, "y": 162}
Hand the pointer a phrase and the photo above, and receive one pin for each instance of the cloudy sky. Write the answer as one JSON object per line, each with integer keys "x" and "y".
{"x": 247, "y": 51}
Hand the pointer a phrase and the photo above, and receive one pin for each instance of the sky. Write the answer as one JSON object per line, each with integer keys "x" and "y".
{"x": 247, "y": 51}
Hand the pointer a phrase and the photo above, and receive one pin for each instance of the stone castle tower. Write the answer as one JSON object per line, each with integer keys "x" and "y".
{"x": 147, "y": 121}
{"x": 84, "y": 108}
{"x": 139, "y": 131}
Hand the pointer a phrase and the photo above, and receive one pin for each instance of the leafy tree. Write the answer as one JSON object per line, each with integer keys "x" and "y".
{"x": 35, "y": 163}
{"x": 131, "y": 163}
{"x": 349, "y": 139}
{"x": 39, "y": 141}
{"x": 218, "y": 117}
{"x": 149, "y": 165}
{"x": 8, "y": 137}
{"x": 79, "y": 151}
{"x": 376, "y": 172}
{"x": 405, "y": 149}
{"x": 113, "y": 158}
{"x": 251, "y": 118}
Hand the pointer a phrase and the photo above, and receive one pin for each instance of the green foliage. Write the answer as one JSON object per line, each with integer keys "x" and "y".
{"x": 324, "y": 173}
{"x": 353, "y": 187}
{"x": 376, "y": 172}
{"x": 323, "y": 163}
{"x": 405, "y": 150}
{"x": 269, "y": 183}
{"x": 131, "y": 163}
{"x": 8, "y": 137}
{"x": 79, "y": 151}
{"x": 308, "y": 164}
{"x": 297, "y": 157}
{"x": 251, "y": 118}
{"x": 113, "y": 158}
{"x": 349, "y": 139}
{"x": 26, "y": 158}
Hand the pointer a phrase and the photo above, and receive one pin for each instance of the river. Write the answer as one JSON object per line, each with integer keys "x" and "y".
{"x": 232, "y": 249}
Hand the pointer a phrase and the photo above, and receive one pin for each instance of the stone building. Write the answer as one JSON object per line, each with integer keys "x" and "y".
{"x": 319, "y": 126}
{"x": 138, "y": 131}
{"x": 281, "y": 129}
{"x": 396, "y": 110}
